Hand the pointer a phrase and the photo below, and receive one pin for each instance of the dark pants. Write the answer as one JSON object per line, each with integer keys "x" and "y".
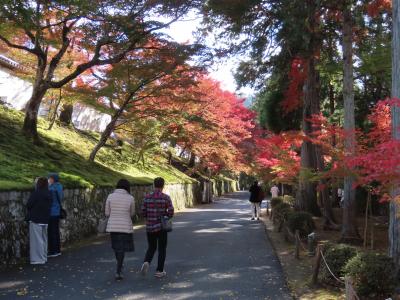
{"x": 157, "y": 238}
{"x": 54, "y": 236}
{"x": 120, "y": 260}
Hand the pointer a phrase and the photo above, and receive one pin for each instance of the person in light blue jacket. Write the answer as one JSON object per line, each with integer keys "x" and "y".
{"x": 56, "y": 191}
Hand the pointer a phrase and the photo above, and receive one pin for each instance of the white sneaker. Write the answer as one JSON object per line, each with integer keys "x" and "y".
{"x": 54, "y": 255}
{"x": 159, "y": 274}
{"x": 38, "y": 262}
{"x": 145, "y": 268}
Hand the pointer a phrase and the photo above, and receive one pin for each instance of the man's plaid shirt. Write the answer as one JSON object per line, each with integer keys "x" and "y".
{"x": 154, "y": 206}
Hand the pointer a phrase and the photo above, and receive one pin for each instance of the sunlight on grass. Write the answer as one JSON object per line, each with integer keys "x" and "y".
{"x": 66, "y": 150}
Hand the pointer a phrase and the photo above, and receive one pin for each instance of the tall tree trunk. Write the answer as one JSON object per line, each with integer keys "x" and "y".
{"x": 306, "y": 197}
{"x": 66, "y": 114}
{"x": 394, "y": 224}
{"x": 104, "y": 137}
{"x": 327, "y": 212}
{"x": 54, "y": 116}
{"x": 349, "y": 225}
{"x": 334, "y": 198}
{"x": 32, "y": 107}
{"x": 31, "y": 113}
{"x": 192, "y": 160}
{"x": 110, "y": 128}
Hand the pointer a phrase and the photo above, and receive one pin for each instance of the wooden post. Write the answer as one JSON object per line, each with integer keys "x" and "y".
{"x": 296, "y": 244}
{"x": 317, "y": 265}
{"x": 350, "y": 293}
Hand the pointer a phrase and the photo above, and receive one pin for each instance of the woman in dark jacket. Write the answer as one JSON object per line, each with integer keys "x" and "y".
{"x": 38, "y": 206}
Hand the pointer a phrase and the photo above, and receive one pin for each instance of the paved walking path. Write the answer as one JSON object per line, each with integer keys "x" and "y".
{"x": 214, "y": 252}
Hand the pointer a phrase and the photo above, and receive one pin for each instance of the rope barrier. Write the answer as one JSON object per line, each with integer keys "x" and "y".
{"x": 353, "y": 291}
{"x": 329, "y": 269}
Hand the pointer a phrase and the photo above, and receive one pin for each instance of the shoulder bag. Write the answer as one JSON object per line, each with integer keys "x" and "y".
{"x": 102, "y": 226}
{"x": 63, "y": 212}
{"x": 166, "y": 223}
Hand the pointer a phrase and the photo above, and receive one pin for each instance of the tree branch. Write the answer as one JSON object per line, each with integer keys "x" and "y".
{"x": 12, "y": 45}
{"x": 66, "y": 42}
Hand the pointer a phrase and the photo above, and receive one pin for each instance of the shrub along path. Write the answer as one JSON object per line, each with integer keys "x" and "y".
{"x": 214, "y": 252}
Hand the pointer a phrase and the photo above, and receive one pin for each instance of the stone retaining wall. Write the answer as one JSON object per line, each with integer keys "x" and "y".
{"x": 85, "y": 207}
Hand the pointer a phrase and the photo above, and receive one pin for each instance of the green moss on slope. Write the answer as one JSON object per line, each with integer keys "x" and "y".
{"x": 65, "y": 150}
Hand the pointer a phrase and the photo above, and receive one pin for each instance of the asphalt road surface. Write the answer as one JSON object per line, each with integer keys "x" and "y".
{"x": 214, "y": 252}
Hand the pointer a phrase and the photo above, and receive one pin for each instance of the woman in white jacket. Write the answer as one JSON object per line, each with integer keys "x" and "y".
{"x": 120, "y": 207}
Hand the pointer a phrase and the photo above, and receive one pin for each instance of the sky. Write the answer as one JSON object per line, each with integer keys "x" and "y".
{"x": 181, "y": 32}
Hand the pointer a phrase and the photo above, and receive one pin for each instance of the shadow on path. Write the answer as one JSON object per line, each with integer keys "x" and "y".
{"x": 214, "y": 252}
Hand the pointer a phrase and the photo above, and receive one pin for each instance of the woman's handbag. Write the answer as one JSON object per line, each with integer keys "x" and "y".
{"x": 63, "y": 212}
{"x": 102, "y": 226}
{"x": 166, "y": 224}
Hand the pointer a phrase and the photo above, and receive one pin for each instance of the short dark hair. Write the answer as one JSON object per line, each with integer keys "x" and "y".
{"x": 42, "y": 184}
{"x": 124, "y": 184}
{"x": 55, "y": 177}
{"x": 159, "y": 182}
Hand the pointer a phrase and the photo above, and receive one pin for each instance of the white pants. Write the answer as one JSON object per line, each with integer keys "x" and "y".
{"x": 37, "y": 243}
{"x": 255, "y": 209}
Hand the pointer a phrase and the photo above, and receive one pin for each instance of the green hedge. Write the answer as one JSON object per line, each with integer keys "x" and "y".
{"x": 337, "y": 257}
{"x": 301, "y": 221}
{"x": 275, "y": 201}
{"x": 372, "y": 274}
{"x": 280, "y": 213}
{"x": 289, "y": 200}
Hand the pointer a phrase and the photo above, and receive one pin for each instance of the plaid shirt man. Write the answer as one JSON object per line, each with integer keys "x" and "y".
{"x": 154, "y": 206}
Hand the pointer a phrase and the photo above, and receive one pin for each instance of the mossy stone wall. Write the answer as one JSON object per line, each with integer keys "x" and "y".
{"x": 84, "y": 208}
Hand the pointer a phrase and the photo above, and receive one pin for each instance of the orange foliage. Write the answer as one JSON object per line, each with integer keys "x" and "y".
{"x": 375, "y": 7}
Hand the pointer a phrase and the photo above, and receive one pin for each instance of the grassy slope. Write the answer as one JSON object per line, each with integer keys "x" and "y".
{"x": 66, "y": 151}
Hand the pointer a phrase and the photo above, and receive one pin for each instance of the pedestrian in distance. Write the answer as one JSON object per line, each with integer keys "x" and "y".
{"x": 274, "y": 191}
{"x": 256, "y": 196}
{"x": 156, "y": 206}
{"x": 57, "y": 196}
{"x": 120, "y": 207}
{"x": 38, "y": 216}
{"x": 340, "y": 193}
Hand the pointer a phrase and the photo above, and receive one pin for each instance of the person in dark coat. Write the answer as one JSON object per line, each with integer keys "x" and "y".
{"x": 38, "y": 206}
{"x": 255, "y": 200}
{"x": 56, "y": 191}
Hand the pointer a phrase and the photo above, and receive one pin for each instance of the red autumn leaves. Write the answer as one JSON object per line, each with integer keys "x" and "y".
{"x": 375, "y": 163}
